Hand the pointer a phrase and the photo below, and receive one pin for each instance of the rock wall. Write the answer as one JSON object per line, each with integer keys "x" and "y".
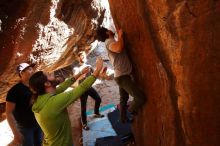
{"x": 175, "y": 51}
{"x": 46, "y": 32}
{"x": 173, "y": 46}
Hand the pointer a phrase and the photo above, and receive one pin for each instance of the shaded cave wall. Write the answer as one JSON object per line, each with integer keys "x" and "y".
{"x": 45, "y": 32}
{"x": 175, "y": 51}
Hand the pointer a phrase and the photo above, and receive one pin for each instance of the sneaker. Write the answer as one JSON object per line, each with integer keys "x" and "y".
{"x": 98, "y": 116}
{"x": 85, "y": 127}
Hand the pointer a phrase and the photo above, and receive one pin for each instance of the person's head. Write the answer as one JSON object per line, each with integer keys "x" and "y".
{"x": 81, "y": 55}
{"x": 103, "y": 34}
{"x": 59, "y": 79}
{"x": 25, "y": 70}
{"x": 40, "y": 82}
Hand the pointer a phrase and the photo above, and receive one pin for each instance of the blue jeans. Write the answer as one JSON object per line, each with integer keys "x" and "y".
{"x": 32, "y": 136}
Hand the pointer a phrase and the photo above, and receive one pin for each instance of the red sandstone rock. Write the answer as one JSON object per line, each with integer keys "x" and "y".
{"x": 173, "y": 46}
{"x": 45, "y": 32}
{"x": 175, "y": 51}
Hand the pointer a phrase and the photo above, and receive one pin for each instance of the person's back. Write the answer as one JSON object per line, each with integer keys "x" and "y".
{"x": 120, "y": 61}
{"x": 50, "y": 106}
{"x": 51, "y": 113}
{"x": 53, "y": 121}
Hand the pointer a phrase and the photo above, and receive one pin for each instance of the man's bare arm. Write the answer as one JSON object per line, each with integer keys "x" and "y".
{"x": 18, "y": 137}
{"x": 117, "y": 46}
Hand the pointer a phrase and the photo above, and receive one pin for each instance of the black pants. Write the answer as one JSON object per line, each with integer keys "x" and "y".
{"x": 126, "y": 87}
{"x": 92, "y": 93}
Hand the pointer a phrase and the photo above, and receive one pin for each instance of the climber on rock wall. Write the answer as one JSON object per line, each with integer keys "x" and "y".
{"x": 123, "y": 68}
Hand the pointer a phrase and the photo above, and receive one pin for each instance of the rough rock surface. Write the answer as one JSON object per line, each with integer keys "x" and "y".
{"x": 173, "y": 46}
{"x": 175, "y": 51}
{"x": 46, "y": 32}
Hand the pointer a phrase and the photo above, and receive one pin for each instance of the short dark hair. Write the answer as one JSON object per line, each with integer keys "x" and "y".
{"x": 37, "y": 81}
{"x": 102, "y": 34}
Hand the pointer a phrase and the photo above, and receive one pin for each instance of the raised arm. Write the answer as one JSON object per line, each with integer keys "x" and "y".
{"x": 62, "y": 100}
{"x": 104, "y": 76}
{"x": 63, "y": 86}
{"x": 18, "y": 137}
{"x": 117, "y": 46}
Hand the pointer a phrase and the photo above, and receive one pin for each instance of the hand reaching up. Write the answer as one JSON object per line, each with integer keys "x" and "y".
{"x": 99, "y": 65}
{"x": 120, "y": 32}
{"x": 85, "y": 70}
{"x": 103, "y": 73}
{"x": 81, "y": 74}
{"x": 104, "y": 76}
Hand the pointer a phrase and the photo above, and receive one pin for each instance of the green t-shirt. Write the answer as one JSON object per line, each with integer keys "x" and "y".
{"x": 51, "y": 113}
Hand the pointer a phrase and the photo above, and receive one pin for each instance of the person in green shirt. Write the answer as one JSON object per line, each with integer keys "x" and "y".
{"x": 50, "y": 105}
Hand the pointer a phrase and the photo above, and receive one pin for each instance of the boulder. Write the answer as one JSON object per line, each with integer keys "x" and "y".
{"x": 174, "y": 48}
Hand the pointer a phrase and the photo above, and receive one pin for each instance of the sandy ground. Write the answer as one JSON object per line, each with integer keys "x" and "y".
{"x": 108, "y": 91}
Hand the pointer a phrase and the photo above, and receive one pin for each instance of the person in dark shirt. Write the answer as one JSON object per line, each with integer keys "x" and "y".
{"x": 81, "y": 57}
{"x": 18, "y": 110}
